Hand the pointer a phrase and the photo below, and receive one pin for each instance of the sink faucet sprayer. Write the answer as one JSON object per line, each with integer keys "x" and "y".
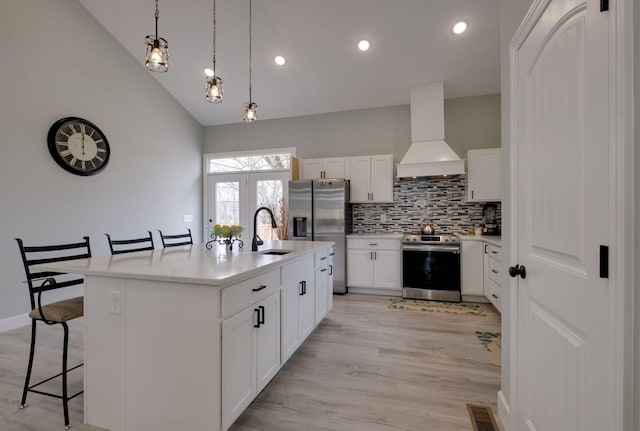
{"x": 256, "y": 239}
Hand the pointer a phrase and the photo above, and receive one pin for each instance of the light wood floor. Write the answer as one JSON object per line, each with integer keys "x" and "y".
{"x": 366, "y": 367}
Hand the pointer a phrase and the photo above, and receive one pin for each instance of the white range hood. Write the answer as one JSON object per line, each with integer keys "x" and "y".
{"x": 429, "y": 155}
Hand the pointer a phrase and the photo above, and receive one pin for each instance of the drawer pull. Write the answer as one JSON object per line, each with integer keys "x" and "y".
{"x": 494, "y": 252}
{"x": 261, "y": 319}
{"x": 258, "y": 289}
{"x": 373, "y": 244}
{"x": 331, "y": 267}
{"x": 323, "y": 269}
{"x": 494, "y": 271}
{"x": 323, "y": 258}
{"x": 301, "y": 288}
{"x": 494, "y": 295}
{"x": 331, "y": 254}
{"x": 257, "y": 324}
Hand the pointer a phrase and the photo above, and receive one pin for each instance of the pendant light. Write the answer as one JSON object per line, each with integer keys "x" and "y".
{"x": 156, "y": 57}
{"x": 250, "y": 108}
{"x": 214, "y": 83}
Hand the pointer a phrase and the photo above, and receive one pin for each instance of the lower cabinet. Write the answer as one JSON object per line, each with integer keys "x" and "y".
{"x": 250, "y": 355}
{"x": 472, "y": 264}
{"x": 322, "y": 286}
{"x": 374, "y": 264}
{"x": 330, "y": 282}
{"x": 492, "y": 271}
{"x": 297, "y": 296}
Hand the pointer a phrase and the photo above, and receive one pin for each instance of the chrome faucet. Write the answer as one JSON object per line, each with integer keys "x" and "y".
{"x": 256, "y": 239}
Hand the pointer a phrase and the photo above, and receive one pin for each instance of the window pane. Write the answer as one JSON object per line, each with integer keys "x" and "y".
{"x": 250, "y": 163}
{"x": 269, "y": 194}
{"x": 228, "y": 203}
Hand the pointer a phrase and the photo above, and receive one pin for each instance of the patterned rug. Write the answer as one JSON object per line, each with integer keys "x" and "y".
{"x": 436, "y": 306}
{"x": 492, "y": 344}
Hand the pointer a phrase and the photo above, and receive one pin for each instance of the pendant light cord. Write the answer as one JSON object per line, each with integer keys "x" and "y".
{"x": 157, "y": 15}
{"x": 250, "y": 19}
{"x": 214, "y": 38}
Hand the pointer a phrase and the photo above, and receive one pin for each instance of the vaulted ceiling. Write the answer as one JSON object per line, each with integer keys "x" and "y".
{"x": 412, "y": 43}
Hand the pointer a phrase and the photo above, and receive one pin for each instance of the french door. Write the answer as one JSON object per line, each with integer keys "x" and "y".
{"x": 233, "y": 198}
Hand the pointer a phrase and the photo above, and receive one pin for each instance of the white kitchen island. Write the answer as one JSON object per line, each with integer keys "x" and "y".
{"x": 185, "y": 338}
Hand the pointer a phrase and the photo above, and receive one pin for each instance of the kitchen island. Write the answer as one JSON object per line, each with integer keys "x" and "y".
{"x": 185, "y": 337}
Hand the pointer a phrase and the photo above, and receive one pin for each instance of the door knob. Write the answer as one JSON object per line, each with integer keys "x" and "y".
{"x": 520, "y": 270}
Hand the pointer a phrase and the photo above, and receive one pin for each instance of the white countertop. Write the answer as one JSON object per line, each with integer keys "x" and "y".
{"x": 191, "y": 263}
{"x": 393, "y": 235}
{"x": 489, "y": 239}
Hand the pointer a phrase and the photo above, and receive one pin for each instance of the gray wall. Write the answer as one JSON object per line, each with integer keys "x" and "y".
{"x": 512, "y": 12}
{"x": 470, "y": 122}
{"x": 57, "y": 61}
{"x": 636, "y": 56}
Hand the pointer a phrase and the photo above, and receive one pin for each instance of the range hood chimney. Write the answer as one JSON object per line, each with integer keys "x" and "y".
{"x": 429, "y": 155}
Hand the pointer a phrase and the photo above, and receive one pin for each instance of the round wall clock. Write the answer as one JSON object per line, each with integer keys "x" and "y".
{"x": 78, "y": 146}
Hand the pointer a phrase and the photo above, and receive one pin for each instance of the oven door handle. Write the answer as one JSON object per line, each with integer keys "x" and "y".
{"x": 445, "y": 248}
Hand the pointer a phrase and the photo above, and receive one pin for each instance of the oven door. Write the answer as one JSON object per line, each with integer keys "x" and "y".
{"x": 431, "y": 272}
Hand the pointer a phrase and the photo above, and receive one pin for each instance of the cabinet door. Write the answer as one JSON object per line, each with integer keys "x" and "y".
{"x": 312, "y": 169}
{"x": 382, "y": 178}
{"x": 359, "y": 268}
{"x": 472, "y": 268}
{"x": 386, "y": 269}
{"x": 486, "y": 262}
{"x": 321, "y": 293}
{"x": 268, "y": 341}
{"x": 330, "y": 283}
{"x": 306, "y": 309}
{"x": 484, "y": 177}
{"x": 360, "y": 168}
{"x": 238, "y": 364}
{"x": 334, "y": 168}
{"x": 290, "y": 338}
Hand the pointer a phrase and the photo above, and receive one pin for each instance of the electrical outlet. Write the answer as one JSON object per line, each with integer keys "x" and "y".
{"x": 116, "y": 302}
{"x": 383, "y": 218}
{"x": 187, "y": 218}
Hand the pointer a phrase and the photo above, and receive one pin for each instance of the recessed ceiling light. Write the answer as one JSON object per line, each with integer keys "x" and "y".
{"x": 280, "y": 60}
{"x": 460, "y": 27}
{"x": 208, "y": 71}
{"x": 364, "y": 45}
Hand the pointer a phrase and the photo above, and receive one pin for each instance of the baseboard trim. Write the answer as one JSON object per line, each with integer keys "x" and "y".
{"x": 376, "y": 291}
{"x": 504, "y": 411}
{"x": 14, "y": 322}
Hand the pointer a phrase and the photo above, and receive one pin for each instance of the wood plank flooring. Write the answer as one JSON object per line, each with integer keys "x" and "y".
{"x": 366, "y": 367}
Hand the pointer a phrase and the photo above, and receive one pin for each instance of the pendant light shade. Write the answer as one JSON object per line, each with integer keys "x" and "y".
{"x": 214, "y": 83}
{"x": 157, "y": 53}
{"x": 250, "y": 108}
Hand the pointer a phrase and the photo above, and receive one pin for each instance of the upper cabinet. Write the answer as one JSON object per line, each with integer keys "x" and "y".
{"x": 484, "y": 175}
{"x": 371, "y": 179}
{"x": 315, "y": 169}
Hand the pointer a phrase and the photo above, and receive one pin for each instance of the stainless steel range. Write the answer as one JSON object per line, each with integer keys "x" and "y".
{"x": 431, "y": 267}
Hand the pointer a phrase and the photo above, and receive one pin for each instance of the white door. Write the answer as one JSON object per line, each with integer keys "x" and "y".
{"x": 382, "y": 178}
{"x": 561, "y": 139}
{"x": 321, "y": 293}
{"x": 306, "y": 307}
{"x": 334, "y": 168}
{"x": 312, "y": 169}
{"x": 268, "y": 339}
{"x": 386, "y": 269}
{"x": 290, "y": 338}
{"x": 226, "y": 200}
{"x": 360, "y": 268}
{"x": 267, "y": 189}
{"x": 360, "y": 188}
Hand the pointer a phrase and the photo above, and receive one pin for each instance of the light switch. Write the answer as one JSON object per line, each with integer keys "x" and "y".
{"x": 116, "y": 302}
{"x": 188, "y": 218}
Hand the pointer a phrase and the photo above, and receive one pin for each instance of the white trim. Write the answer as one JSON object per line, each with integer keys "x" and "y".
{"x": 14, "y": 322}
{"x": 285, "y": 150}
{"x": 504, "y": 411}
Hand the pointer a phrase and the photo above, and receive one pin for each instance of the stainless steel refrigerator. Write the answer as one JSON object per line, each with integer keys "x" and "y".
{"x": 319, "y": 210}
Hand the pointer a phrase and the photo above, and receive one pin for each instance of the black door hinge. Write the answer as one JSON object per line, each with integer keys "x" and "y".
{"x": 604, "y": 261}
{"x": 604, "y": 5}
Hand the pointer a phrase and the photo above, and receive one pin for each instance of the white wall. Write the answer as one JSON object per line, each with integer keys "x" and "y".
{"x": 512, "y": 12}
{"x": 57, "y": 61}
{"x": 636, "y": 56}
{"x": 470, "y": 122}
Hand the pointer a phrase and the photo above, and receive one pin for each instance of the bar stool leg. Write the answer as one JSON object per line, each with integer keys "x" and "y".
{"x": 65, "y": 400}
{"x": 23, "y": 403}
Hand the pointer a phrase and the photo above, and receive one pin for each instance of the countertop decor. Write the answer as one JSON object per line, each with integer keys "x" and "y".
{"x": 225, "y": 235}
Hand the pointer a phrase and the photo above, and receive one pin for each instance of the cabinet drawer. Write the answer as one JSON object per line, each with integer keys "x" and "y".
{"x": 322, "y": 258}
{"x": 374, "y": 244}
{"x": 296, "y": 270}
{"x": 494, "y": 295}
{"x": 245, "y": 293}
{"x": 495, "y": 270}
{"x": 494, "y": 252}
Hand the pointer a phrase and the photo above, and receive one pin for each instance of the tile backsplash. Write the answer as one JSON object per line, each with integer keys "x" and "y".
{"x": 440, "y": 200}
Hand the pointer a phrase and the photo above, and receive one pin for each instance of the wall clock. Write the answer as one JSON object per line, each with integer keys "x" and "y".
{"x": 78, "y": 146}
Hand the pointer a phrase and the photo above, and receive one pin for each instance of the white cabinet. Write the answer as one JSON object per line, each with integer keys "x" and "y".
{"x": 250, "y": 347}
{"x": 492, "y": 274}
{"x": 314, "y": 169}
{"x": 374, "y": 264}
{"x": 330, "y": 281}
{"x": 298, "y": 304}
{"x": 321, "y": 286}
{"x": 371, "y": 179}
{"x": 472, "y": 258}
{"x": 484, "y": 176}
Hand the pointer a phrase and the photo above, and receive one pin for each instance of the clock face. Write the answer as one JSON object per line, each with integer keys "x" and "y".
{"x": 78, "y": 146}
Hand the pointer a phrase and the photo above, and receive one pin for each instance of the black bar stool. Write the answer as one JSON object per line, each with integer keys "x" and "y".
{"x": 176, "y": 240}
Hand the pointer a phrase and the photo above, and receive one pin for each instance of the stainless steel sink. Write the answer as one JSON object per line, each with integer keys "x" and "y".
{"x": 276, "y": 251}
